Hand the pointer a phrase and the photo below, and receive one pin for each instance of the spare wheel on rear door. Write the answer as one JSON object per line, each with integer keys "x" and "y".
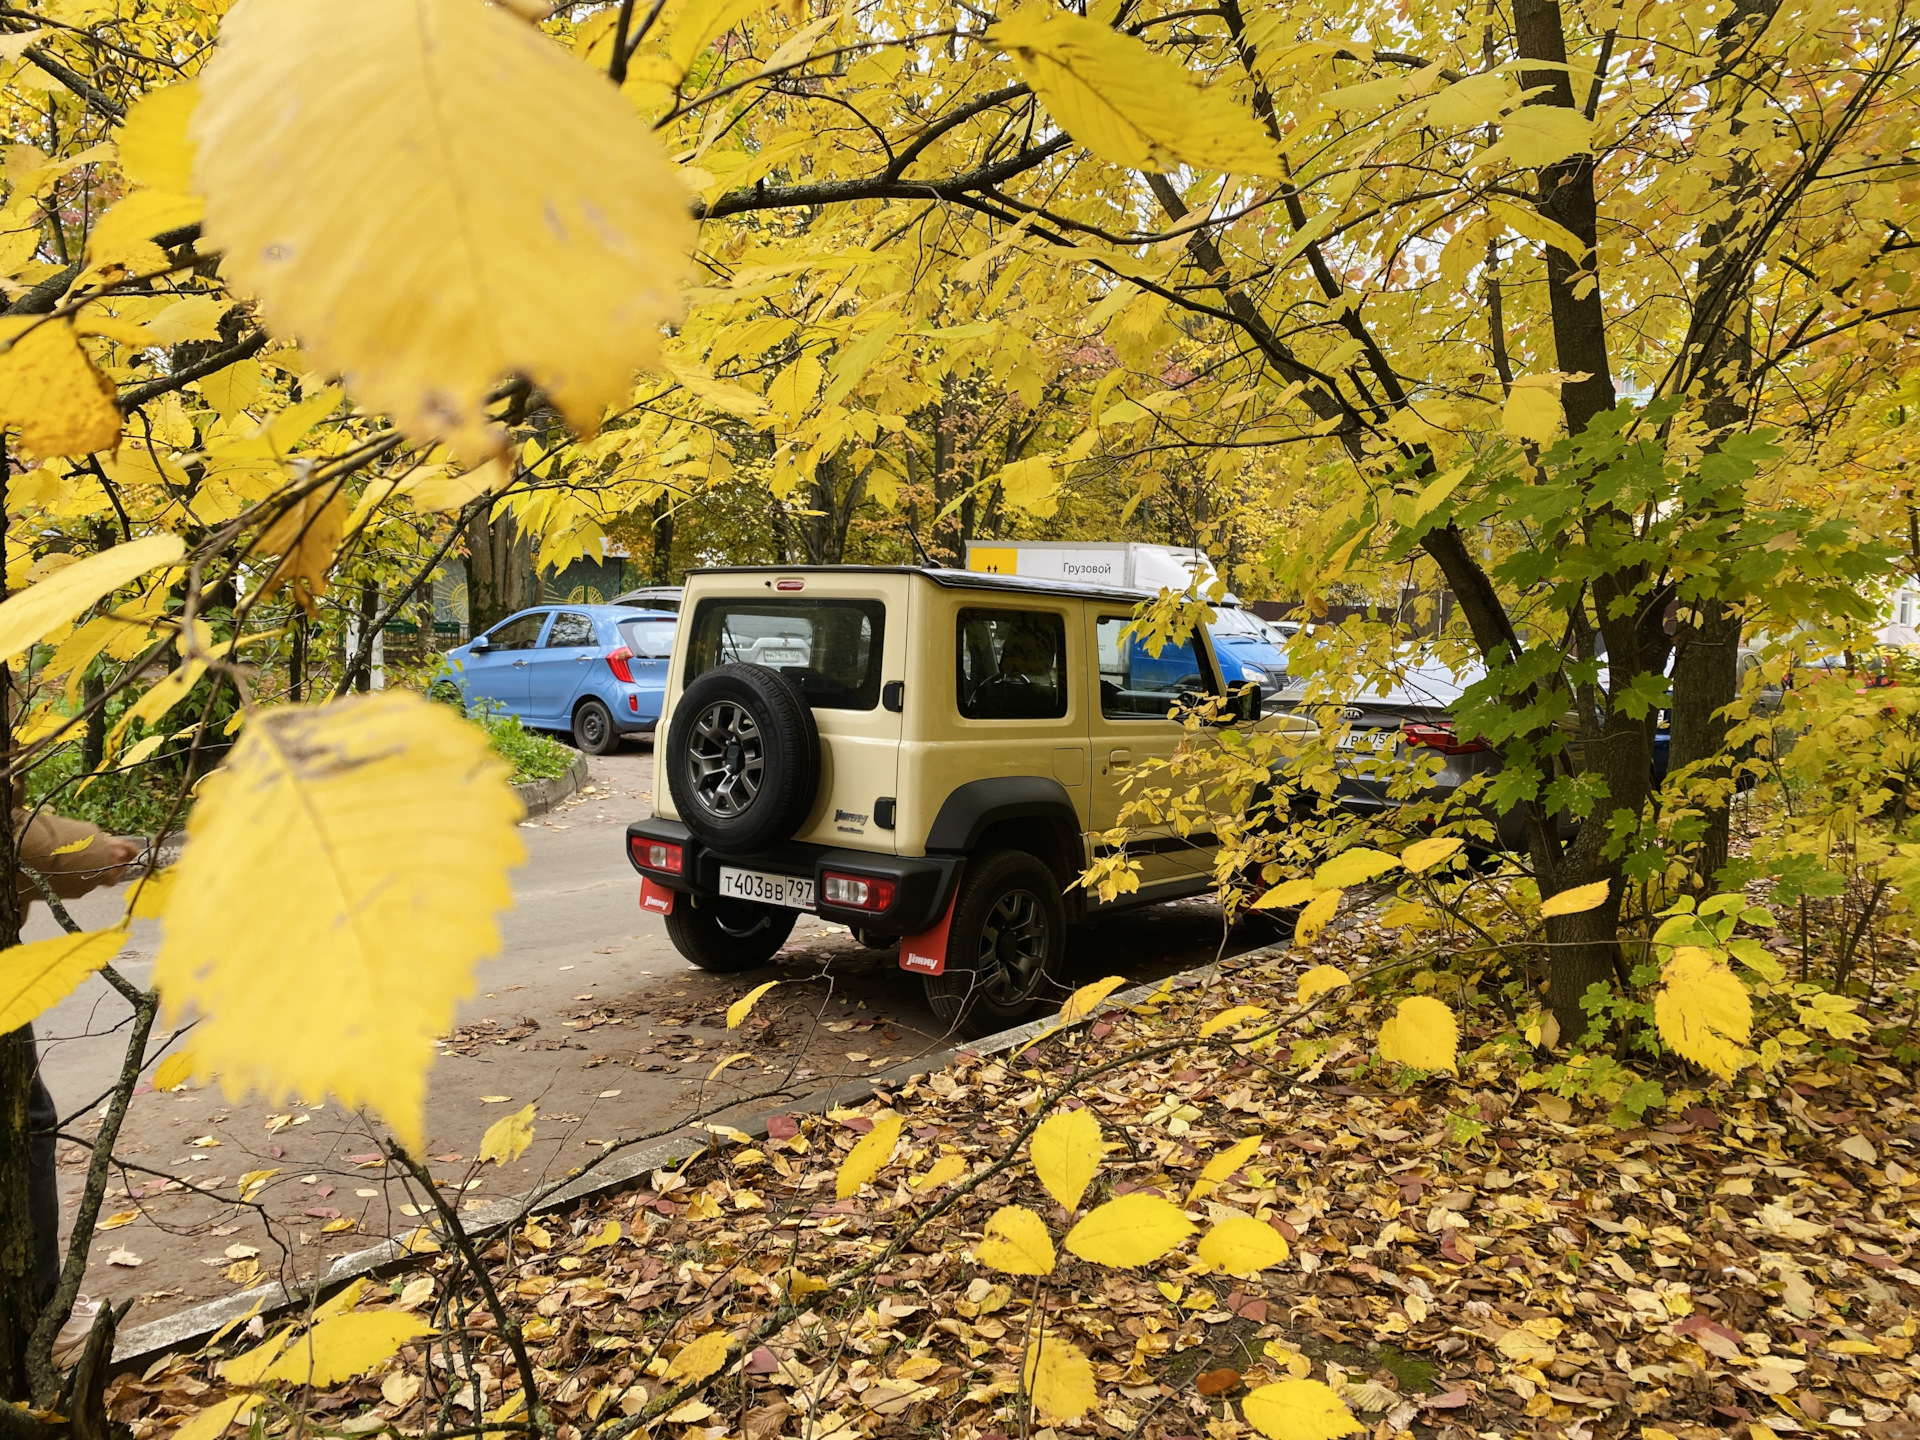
{"x": 743, "y": 758}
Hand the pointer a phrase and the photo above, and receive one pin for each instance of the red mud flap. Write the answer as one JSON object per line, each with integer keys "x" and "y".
{"x": 926, "y": 953}
{"x": 655, "y": 898}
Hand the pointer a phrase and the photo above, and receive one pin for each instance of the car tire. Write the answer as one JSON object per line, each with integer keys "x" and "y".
{"x": 743, "y": 758}
{"x": 723, "y": 935}
{"x": 1005, "y": 946}
{"x": 593, "y": 728}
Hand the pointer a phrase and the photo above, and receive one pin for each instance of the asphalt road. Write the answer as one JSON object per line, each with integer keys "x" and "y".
{"x": 587, "y": 1012}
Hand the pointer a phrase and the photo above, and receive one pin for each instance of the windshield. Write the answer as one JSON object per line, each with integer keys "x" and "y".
{"x": 830, "y": 649}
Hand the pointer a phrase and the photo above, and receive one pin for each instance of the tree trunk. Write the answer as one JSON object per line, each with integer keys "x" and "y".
{"x": 499, "y": 571}
{"x": 19, "y": 1250}
{"x": 662, "y": 565}
{"x": 1706, "y": 676}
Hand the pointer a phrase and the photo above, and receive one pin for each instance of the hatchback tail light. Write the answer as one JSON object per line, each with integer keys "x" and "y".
{"x": 1439, "y": 737}
{"x": 657, "y": 855}
{"x": 617, "y": 662}
{"x": 856, "y": 892}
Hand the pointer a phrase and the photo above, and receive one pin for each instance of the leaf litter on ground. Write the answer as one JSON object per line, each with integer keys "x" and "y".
{"x": 1461, "y": 1257}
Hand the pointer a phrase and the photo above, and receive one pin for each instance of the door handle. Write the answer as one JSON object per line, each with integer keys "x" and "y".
{"x": 519, "y": 664}
{"x": 1119, "y": 757}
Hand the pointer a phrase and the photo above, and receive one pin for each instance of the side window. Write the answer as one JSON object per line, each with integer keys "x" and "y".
{"x": 1136, "y": 685}
{"x": 520, "y": 633}
{"x": 571, "y": 629}
{"x": 1011, "y": 664}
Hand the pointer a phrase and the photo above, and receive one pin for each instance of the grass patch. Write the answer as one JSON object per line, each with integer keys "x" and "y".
{"x": 534, "y": 756}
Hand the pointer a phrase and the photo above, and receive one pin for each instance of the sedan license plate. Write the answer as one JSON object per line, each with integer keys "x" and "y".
{"x": 1371, "y": 740}
{"x": 794, "y": 892}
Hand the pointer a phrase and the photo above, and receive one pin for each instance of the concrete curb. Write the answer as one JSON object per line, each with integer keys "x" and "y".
{"x": 141, "y": 1343}
{"x": 540, "y": 796}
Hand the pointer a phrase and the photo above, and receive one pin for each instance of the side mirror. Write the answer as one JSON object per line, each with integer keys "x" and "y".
{"x": 479, "y": 643}
{"x": 1246, "y": 704}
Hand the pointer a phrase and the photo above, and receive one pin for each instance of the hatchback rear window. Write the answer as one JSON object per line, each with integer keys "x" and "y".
{"x": 649, "y": 639}
{"x": 830, "y": 649}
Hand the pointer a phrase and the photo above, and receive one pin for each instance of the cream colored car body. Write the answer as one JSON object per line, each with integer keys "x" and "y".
{"x": 919, "y": 755}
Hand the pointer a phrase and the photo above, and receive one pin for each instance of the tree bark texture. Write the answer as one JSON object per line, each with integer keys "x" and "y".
{"x": 499, "y": 571}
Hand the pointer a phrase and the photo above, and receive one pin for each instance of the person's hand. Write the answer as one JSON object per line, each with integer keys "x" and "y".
{"x": 119, "y": 854}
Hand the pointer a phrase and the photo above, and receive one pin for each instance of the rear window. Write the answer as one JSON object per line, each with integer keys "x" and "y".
{"x": 649, "y": 639}
{"x": 830, "y": 649}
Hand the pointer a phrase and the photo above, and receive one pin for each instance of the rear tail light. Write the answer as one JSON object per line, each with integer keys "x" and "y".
{"x": 857, "y": 892}
{"x": 657, "y": 855}
{"x": 1439, "y": 737}
{"x": 617, "y": 662}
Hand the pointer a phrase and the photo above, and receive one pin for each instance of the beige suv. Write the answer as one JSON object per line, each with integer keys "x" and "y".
{"x": 924, "y": 754}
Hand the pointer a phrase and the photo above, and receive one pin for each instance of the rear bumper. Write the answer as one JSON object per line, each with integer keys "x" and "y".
{"x": 922, "y": 884}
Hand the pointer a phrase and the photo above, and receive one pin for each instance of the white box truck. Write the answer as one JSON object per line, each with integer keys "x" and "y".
{"x": 1127, "y": 564}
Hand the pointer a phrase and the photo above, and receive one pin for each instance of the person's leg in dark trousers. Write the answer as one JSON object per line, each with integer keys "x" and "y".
{"x": 43, "y": 1186}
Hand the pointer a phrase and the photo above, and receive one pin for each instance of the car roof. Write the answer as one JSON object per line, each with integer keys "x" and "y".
{"x": 947, "y": 578}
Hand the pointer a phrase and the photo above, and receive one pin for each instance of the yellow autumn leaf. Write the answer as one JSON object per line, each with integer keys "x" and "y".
{"x": 345, "y": 1346}
{"x": 1538, "y": 135}
{"x": 1031, "y": 485}
{"x": 1135, "y": 1229}
{"x": 946, "y": 1168}
{"x": 1533, "y": 410}
{"x": 1575, "y": 901}
{"x": 117, "y": 1219}
{"x": 1066, "y": 1154}
{"x": 149, "y": 899}
{"x": 174, "y": 1071}
{"x": 1059, "y": 1378}
{"x": 1425, "y": 854}
{"x": 700, "y": 1357}
{"x": 1422, "y": 1035}
{"x": 508, "y": 1137}
{"x": 1220, "y": 1166}
{"x": 212, "y": 1422}
{"x": 127, "y": 229}
{"x": 306, "y": 537}
{"x": 1353, "y": 867}
{"x": 1299, "y": 1410}
{"x": 1286, "y": 895}
{"x": 1314, "y": 918}
{"x": 246, "y": 1369}
{"x": 743, "y": 1007}
{"x": 1320, "y": 980}
{"x": 1703, "y": 1012}
{"x": 1231, "y": 1016}
{"x": 1016, "y": 1242}
{"x": 1127, "y": 103}
{"x": 1087, "y": 999}
{"x": 353, "y": 854}
{"x": 525, "y": 217}
{"x": 607, "y": 1235}
{"x": 57, "y": 396}
{"x": 154, "y": 149}
{"x": 865, "y": 1159}
{"x": 37, "y": 976}
{"x": 1241, "y": 1245}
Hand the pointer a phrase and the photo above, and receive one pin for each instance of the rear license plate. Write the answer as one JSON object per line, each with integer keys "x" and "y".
{"x": 794, "y": 892}
{"x": 1374, "y": 740}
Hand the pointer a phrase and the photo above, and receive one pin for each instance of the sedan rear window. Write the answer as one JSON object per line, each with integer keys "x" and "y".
{"x": 830, "y": 649}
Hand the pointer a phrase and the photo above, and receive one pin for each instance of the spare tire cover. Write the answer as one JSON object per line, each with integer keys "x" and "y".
{"x": 743, "y": 758}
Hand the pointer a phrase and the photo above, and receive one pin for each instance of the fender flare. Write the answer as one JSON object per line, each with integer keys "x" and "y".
{"x": 971, "y": 808}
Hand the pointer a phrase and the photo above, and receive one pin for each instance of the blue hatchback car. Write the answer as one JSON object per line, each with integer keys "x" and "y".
{"x": 595, "y": 671}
